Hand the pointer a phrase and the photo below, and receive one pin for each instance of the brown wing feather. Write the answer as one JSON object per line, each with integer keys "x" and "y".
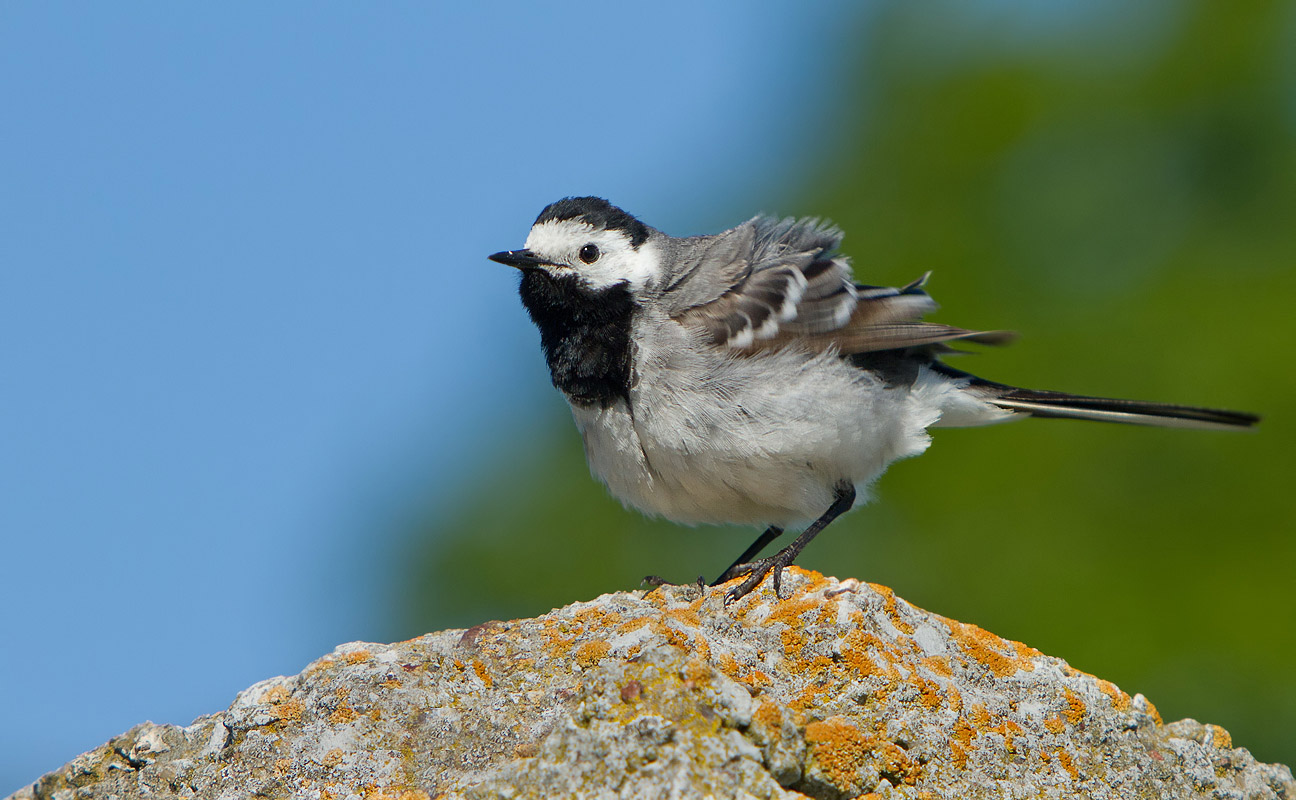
{"x": 883, "y": 324}
{"x": 774, "y": 283}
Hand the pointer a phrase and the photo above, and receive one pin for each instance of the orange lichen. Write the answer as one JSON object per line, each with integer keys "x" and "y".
{"x": 1152, "y": 711}
{"x": 828, "y": 613}
{"x": 729, "y": 665}
{"x": 980, "y": 716}
{"x": 282, "y": 765}
{"x": 282, "y": 705}
{"x": 815, "y": 580}
{"x": 482, "y": 672}
{"x": 955, "y": 697}
{"x": 702, "y": 648}
{"x": 1220, "y": 737}
{"x": 840, "y": 749}
{"x": 596, "y": 617}
{"x": 962, "y": 735}
{"x": 343, "y": 715}
{"x": 1075, "y": 709}
{"x": 854, "y": 653}
{"x": 390, "y": 793}
{"x": 635, "y": 624}
{"x": 938, "y": 664}
{"x": 390, "y": 683}
{"x": 808, "y": 697}
{"x": 1054, "y": 724}
{"x": 963, "y": 731}
{"x": 320, "y": 665}
{"x": 1009, "y": 730}
{"x": 819, "y": 665}
{"x": 592, "y": 652}
{"x": 893, "y": 613}
{"x": 790, "y": 610}
{"x": 683, "y": 614}
{"x": 959, "y": 756}
{"x": 357, "y": 656}
{"x": 557, "y": 641}
{"x": 929, "y": 694}
{"x": 1120, "y": 700}
{"x": 792, "y": 642}
{"x": 342, "y": 691}
{"x": 1026, "y": 656}
{"x": 768, "y": 717}
{"x": 988, "y": 649}
{"x": 1064, "y": 758}
{"x": 291, "y": 710}
{"x": 696, "y": 672}
{"x": 333, "y": 757}
{"x": 897, "y": 763}
{"x": 674, "y": 636}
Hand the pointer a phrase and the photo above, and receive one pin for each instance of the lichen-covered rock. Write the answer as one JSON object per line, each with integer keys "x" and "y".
{"x": 839, "y": 690}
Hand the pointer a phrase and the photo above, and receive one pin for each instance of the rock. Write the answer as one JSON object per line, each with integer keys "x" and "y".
{"x": 841, "y": 689}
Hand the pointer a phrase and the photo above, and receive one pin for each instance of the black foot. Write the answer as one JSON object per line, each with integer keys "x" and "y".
{"x": 756, "y": 572}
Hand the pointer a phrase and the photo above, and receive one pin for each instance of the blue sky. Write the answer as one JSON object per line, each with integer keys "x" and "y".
{"x": 244, "y": 301}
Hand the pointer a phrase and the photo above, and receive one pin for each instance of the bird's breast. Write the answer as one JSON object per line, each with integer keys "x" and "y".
{"x": 585, "y": 335}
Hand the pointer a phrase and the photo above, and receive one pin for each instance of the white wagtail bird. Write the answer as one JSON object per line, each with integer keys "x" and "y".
{"x": 746, "y": 378}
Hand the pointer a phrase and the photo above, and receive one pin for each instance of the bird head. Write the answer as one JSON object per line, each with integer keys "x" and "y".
{"x": 590, "y": 241}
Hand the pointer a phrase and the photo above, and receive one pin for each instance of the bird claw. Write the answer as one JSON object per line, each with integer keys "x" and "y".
{"x": 654, "y": 581}
{"x": 657, "y": 581}
{"x": 756, "y": 572}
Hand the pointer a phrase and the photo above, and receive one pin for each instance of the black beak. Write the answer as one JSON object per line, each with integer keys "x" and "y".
{"x": 522, "y": 259}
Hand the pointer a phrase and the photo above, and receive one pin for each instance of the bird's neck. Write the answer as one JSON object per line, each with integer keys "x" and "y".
{"x": 585, "y": 335}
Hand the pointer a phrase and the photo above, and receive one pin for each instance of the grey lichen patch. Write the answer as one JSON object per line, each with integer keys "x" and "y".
{"x": 840, "y": 689}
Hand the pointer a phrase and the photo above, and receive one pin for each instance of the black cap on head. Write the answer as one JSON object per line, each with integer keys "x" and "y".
{"x": 597, "y": 212}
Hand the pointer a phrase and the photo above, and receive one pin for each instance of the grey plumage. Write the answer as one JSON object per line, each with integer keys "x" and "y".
{"x": 774, "y": 282}
{"x": 745, "y": 377}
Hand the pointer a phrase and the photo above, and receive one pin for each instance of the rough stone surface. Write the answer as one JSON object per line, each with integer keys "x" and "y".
{"x": 841, "y": 689}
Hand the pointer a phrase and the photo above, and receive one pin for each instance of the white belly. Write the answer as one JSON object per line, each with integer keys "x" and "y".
{"x": 761, "y": 440}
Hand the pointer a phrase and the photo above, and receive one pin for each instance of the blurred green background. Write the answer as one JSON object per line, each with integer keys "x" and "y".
{"x": 1123, "y": 193}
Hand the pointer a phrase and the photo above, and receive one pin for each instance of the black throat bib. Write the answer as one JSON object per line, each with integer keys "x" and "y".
{"x": 585, "y": 335}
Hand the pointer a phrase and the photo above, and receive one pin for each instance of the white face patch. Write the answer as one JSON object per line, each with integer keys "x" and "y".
{"x": 560, "y": 241}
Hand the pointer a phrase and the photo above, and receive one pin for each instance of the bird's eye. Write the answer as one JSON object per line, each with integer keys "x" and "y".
{"x": 589, "y": 253}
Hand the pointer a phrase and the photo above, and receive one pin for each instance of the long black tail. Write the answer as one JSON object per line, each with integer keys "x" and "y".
{"x": 1043, "y": 403}
{"x": 1039, "y": 403}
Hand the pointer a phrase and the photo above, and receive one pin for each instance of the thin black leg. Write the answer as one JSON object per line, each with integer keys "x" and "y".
{"x": 771, "y": 533}
{"x": 757, "y": 570}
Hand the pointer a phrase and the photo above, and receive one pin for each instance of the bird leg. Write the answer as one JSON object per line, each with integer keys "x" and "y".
{"x": 757, "y": 570}
{"x": 736, "y": 568}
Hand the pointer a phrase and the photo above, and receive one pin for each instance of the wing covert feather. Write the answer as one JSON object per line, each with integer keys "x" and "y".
{"x": 772, "y": 283}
